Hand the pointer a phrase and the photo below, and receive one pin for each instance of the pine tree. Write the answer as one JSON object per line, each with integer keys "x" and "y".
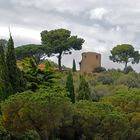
{"x": 83, "y": 90}
{"x": 74, "y": 66}
{"x": 12, "y": 67}
{"x": 70, "y": 87}
{"x": 5, "y": 85}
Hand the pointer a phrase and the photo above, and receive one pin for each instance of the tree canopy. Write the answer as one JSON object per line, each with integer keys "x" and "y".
{"x": 41, "y": 112}
{"x": 30, "y": 50}
{"x": 125, "y": 53}
{"x": 60, "y": 42}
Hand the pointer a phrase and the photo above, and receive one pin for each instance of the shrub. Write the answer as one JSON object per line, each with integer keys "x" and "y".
{"x": 84, "y": 92}
{"x": 99, "y": 69}
{"x": 105, "y": 79}
{"x": 117, "y": 89}
{"x": 101, "y": 91}
{"x": 129, "y": 81}
{"x": 4, "y": 134}
{"x": 31, "y": 135}
{"x": 128, "y": 69}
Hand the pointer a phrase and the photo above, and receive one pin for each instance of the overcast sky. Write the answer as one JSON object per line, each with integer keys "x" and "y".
{"x": 102, "y": 23}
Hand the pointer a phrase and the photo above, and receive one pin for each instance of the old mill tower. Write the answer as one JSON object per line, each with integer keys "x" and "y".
{"x": 90, "y": 61}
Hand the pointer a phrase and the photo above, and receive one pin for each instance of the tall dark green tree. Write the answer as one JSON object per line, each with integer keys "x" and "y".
{"x": 84, "y": 92}
{"x": 74, "y": 66}
{"x": 12, "y": 67}
{"x": 60, "y": 42}
{"x": 70, "y": 87}
{"x": 5, "y": 86}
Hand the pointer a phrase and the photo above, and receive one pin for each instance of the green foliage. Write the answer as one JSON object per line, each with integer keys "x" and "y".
{"x": 37, "y": 78}
{"x": 99, "y": 69}
{"x": 101, "y": 91}
{"x": 5, "y": 85}
{"x": 84, "y": 92}
{"x": 30, "y": 50}
{"x": 60, "y": 42}
{"x": 129, "y": 103}
{"x": 94, "y": 120}
{"x": 42, "y": 112}
{"x": 128, "y": 69}
{"x": 4, "y": 43}
{"x": 129, "y": 81}
{"x": 124, "y": 53}
{"x": 117, "y": 89}
{"x": 12, "y": 67}
{"x": 105, "y": 79}
{"x": 115, "y": 74}
{"x": 4, "y": 135}
{"x": 74, "y": 66}
{"x": 31, "y": 135}
{"x": 70, "y": 87}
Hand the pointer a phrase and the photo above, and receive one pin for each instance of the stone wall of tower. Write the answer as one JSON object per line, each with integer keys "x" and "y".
{"x": 90, "y": 61}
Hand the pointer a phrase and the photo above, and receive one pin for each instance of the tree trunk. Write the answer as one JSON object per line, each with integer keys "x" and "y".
{"x": 125, "y": 64}
{"x": 59, "y": 61}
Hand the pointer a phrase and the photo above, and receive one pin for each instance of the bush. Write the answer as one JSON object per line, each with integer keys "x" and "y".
{"x": 115, "y": 74}
{"x": 31, "y": 135}
{"x": 105, "y": 79}
{"x": 4, "y": 134}
{"x": 128, "y": 69}
{"x": 129, "y": 81}
{"x": 101, "y": 91}
{"x": 99, "y": 69}
{"x": 118, "y": 89}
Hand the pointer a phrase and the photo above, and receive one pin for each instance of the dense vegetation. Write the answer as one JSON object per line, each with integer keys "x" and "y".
{"x": 38, "y": 102}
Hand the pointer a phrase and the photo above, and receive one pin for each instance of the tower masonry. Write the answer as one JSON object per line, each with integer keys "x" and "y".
{"x": 90, "y": 61}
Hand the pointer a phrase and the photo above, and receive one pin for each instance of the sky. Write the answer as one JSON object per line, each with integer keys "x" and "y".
{"x": 102, "y": 23}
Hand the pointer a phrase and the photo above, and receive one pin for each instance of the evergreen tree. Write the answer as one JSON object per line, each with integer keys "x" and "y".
{"x": 74, "y": 66}
{"x": 83, "y": 90}
{"x": 70, "y": 87}
{"x": 12, "y": 67}
{"x": 5, "y": 86}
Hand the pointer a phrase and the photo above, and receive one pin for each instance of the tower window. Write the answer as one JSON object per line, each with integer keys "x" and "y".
{"x": 96, "y": 56}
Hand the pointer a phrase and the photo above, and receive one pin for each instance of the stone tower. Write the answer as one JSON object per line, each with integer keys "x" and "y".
{"x": 90, "y": 61}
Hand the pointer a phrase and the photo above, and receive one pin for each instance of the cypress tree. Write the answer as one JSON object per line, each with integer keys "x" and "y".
{"x": 5, "y": 85}
{"x": 74, "y": 66}
{"x": 12, "y": 66}
{"x": 84, "y": 90}
{"x": 70, "y": 87}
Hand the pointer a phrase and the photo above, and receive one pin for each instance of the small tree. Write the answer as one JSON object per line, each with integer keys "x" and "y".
{"x": 124, "y": 53}
{"x": 60, "y": 42}
{"x": 70, "y": 87}
{"x": 84, "y": 90}
{"x": 74, "y": 66}
{"x": 5, "y": 86}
